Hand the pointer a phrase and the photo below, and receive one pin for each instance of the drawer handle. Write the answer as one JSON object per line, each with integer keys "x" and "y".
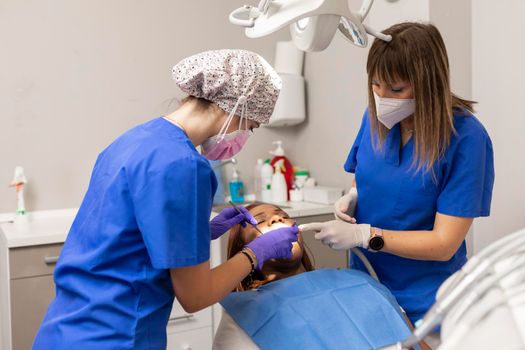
{"x": 51, "y": 260}
{"x": 183, "y": 317}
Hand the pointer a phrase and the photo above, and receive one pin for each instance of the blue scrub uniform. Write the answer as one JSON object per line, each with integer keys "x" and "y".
{"x": 393, "y": 196}
{"x": 146, "y": 210}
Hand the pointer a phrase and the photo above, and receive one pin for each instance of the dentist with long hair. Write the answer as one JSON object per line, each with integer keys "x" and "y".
{"x": 424, "y": 169}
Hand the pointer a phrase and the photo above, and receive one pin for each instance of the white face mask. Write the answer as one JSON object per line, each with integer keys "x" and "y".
{"x": 391, "y": 111}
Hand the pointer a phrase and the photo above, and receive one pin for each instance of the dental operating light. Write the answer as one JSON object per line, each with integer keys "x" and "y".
{"x": 313, "y": 23}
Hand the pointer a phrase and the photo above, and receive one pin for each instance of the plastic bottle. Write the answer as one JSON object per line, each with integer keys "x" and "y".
{"x": 236, "y": 188}
{"x": 257, "y": 179}
{"x": 287, "y": 168}
{"x": 279, "y": 189}
{"x": 301, "y": 175}
{"x": 266, "y": 181}
{"x": 19, "y": 182}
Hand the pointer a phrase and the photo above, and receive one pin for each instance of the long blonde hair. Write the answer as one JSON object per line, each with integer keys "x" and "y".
{"x": 417, "y": 54}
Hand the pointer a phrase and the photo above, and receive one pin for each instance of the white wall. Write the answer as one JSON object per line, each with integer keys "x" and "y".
{"x": 76, "y": 74}
{"x": 498, "y": 75}
{"x": 454, "y": 20}
{"x": 388, "y": 12}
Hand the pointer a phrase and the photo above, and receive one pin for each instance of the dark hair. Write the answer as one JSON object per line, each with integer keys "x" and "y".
{"x": 235, "y": 245}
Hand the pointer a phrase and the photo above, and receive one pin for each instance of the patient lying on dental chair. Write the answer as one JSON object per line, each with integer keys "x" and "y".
{"x": 268, "y": 217}
{"x": 289, "y": 305}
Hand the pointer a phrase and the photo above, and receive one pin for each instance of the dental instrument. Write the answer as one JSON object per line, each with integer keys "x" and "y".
{"x": 240, "y": 212}
{"x": 313, "y": 23}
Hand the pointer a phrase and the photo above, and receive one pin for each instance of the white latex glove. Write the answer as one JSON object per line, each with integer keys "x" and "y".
{"x": 344, "y": 208}
{"x": 339, "y": 235}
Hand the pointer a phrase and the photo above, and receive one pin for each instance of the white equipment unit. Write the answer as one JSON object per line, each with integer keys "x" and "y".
{"x": 290, "y": 108}
{"x": 482, "y": 306}
{"x": 313, "y": 23}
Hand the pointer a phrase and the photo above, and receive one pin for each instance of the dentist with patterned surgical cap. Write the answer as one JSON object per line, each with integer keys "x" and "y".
{"x": 423, "y": 166}
{"x": 142, "y": 234}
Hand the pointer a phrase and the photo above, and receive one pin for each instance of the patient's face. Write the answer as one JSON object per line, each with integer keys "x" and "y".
{"x": 269, "y": 218}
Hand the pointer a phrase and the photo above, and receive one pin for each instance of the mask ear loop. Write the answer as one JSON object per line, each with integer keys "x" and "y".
{"x": 222, "y": 132}
{"x": 243, "y": 100}
{"x": 243, "y": 116}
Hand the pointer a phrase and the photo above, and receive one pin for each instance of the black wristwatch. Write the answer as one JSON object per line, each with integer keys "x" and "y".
{"x": 376, "y": 241}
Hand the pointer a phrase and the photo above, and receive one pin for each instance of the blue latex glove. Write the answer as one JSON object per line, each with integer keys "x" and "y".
{"x": 228, "y": 218}
{"x": 276, "y": 244}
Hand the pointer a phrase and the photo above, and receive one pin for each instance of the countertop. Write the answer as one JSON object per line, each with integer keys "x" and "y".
{"x": 52, "y": 226}
{"x": 41, "y": 227}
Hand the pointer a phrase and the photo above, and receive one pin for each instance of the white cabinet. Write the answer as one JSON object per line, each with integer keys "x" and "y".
{"x": 196, "y": 339}
{"x": 27, "y": 289}
{"x": 190, "y": 331}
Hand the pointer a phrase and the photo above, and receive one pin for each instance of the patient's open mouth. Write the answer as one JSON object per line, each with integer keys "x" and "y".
{"x": 267, "y": 229}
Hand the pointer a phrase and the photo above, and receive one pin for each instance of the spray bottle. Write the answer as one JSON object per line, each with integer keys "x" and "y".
{"x": 287, "y": 168}
{"x": 279, "y": 189}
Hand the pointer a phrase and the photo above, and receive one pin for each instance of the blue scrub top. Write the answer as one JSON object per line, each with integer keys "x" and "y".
{"x": 146, "y": 210}
{"x": 393, "y": 196}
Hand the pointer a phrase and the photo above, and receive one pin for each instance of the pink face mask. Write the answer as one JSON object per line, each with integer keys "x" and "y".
{"x": 225, "y": 146}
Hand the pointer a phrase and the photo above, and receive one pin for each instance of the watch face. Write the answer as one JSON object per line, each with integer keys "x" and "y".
{"x": 376, "y": 243}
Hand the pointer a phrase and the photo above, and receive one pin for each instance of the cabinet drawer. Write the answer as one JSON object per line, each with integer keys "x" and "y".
{"x": 197, "y": 339}
{"x": 180, "y": 320}
{"x": 324, "y": 257}
{"x": 33, "y": 261}
{"x": 30, "y": 298}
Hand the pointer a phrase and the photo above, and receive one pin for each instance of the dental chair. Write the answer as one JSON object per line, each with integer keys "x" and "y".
{"x": 482, "y": 306}
{"x": 322, "y": 309}
{"x": 289, "y": 305}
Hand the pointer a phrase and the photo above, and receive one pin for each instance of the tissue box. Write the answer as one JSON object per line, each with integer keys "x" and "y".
{"x": 321, "y": 194}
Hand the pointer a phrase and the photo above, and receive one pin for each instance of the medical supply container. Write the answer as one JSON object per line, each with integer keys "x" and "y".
{"x": 322, "y": 195}
{"x": 236, "y": 188}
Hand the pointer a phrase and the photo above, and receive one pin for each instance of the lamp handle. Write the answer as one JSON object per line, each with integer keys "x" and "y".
{"x": 244, "y": 16}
